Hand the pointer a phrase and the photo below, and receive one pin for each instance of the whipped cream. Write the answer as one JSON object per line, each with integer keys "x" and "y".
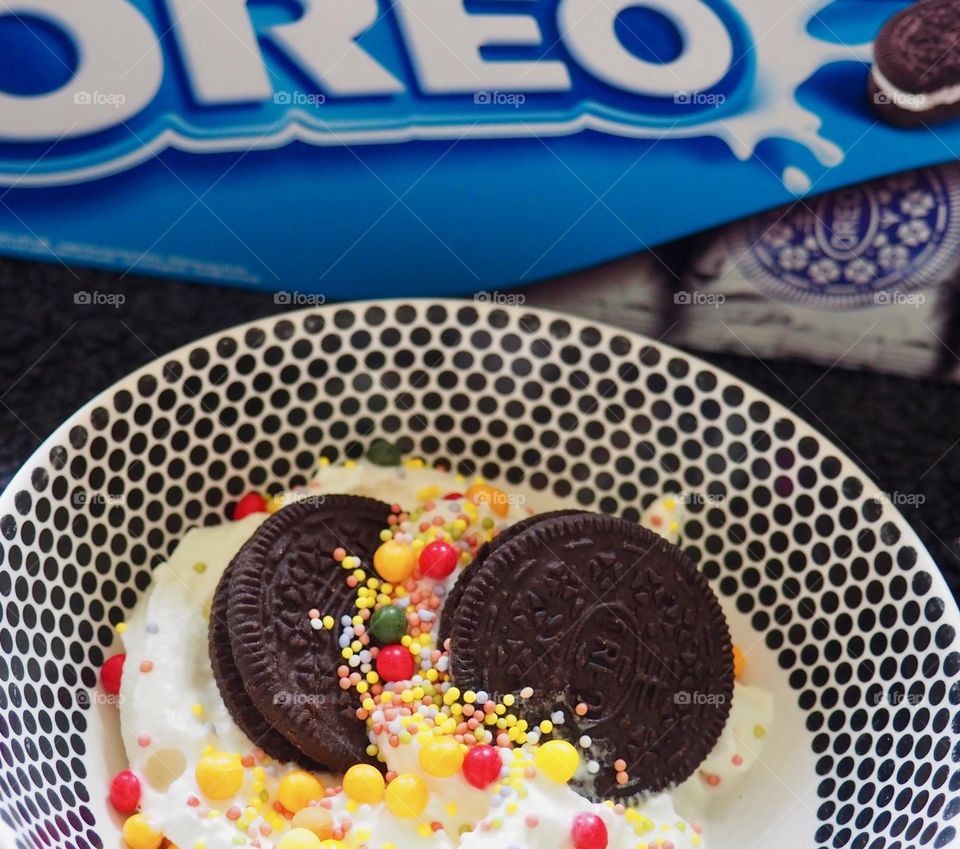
{"x": 172, "y": 714}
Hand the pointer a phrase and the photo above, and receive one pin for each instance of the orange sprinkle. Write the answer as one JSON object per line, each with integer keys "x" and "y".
{"x": 622, "y": 778}
{"x": 712, "y": 779}
{"x": 581, "y": 709}
{"x": 620, "y": 765}
{"x": 656, "y": 521}
{"x": 339, "y": 554}
{"x": 736, "y": 760}
{"x": 146, "y": 666}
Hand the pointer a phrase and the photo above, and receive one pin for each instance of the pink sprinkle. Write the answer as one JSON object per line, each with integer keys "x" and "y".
{"x": 339, "y": 554}
{"x": 143, "y": 741}
{"x": 484, "y": 825}
{"x": 736, "y": 760}
{"x": 697, "y": 827}
{"x": 146, "y": 666}
{"x": 233, "y": 813}
{"x": 313, "y": 613}
{"x": 526, "y": 692}
{"x": 532, "y": 820}
{"x": 247, "y": 761}
{"x": 193, "y": 801}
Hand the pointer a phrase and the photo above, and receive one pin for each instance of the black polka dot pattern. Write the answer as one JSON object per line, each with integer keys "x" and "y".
{"x": 832, "y": 580}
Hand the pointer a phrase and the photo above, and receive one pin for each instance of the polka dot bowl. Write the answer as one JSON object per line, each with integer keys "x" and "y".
{"x": 839, "y": 609}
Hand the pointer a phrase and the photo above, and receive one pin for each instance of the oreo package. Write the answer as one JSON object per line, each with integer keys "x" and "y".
{"x": 864, "y": 277}
{"x": 366, "y": 148}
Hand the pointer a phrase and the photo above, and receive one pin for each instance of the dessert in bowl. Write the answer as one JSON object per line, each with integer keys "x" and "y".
{"x": 838, "y": 726}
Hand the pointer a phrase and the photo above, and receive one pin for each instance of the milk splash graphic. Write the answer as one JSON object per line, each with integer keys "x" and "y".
{"x": 784, "y": 53}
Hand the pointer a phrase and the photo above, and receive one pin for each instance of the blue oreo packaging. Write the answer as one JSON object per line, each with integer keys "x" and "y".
{"x": 350, "y": 148}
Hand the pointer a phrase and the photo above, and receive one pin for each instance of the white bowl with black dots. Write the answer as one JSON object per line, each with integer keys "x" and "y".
{"x": 839, "y": 608}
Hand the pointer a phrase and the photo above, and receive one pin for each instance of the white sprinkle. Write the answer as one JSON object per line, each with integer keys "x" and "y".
{"x": 316, "y": 624}
{"x": 557, "y": 717}
{"x": 585, "y": 742}
{"x": 346, "y": 621}
{"x": 593, "y": 767}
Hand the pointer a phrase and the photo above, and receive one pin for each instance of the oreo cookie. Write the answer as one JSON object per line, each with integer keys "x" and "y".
{"x": 230, "y": 684}
{"x": 594, "y": 610}
{"x": 916, "y": 73}
{"x": 290, "y": 695}
{"x": 463, "y": 579}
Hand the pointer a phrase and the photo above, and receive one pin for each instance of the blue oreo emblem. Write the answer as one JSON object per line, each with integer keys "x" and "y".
{"x": 844, "y": 249}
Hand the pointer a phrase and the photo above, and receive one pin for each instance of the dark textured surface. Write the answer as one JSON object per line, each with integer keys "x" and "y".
{"x": 283, "y": 571}
{"x": 592, "y": 609}
{"x": 56, "y": 354}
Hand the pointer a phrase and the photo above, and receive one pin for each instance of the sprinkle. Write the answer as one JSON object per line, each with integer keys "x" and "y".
{"x": 759, "y": 731}
{"x": 146, "y": 666}
{"x": 593, "y": 767}
{"x": 532, "y": 820}
{"x": 199, "y": 568}
{"x": 620, "y": 765}
{"x": 152, "y": 628}
{"x": 736, "y": 760}
{"x": 143, "y": 741}
{"x": 586, "y": 741}
{"x": 121, "y": 627}
{"x": 581, "y": 709}
{"x": 526, "y": 692}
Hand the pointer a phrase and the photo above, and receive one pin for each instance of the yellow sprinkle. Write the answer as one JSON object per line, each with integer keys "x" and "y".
{"x": 121, "y": 627}
{"x": 328, "y": 622}
{"x": 428, "y": 492}
{"x": 323, "y": 462}
{"x": 509, "y": 700}
{"x": 669, "y": 504}
{"x": 759, "y": 731}
{"x": 197, "y": 710}
{"x": 424, "y": 830}
{"x": 546, "y": 726}
{"x": 451, "y": 809}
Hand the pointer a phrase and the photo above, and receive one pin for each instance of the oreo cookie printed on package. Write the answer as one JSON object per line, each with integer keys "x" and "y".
{"x": 856, "y": 247}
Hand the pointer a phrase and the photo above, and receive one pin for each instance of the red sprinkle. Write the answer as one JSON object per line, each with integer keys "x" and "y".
{"x": 252, "y": 502}
{"x": 395, "y": 663}
{"x": 125, "y": 792}
{"x": 111, "y": 672}
{"x": 482, "y": 765}
{"x": 588, "y": 832}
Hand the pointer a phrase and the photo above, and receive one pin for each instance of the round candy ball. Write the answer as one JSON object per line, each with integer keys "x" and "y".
{"x": 588, "y": 832}
{"x": 315, "y": 819}
{"x": 395, "y": 663}
{"x": 482, "y": 765}
{"x": 441, "y": 757}
{"x": 300, "y": 838}
{"x": 298, "y": 789}
{"x": 558, "y": 760}
{"x": 125, "y": 792}
{"x": 388, "y": 624}
{"x": 138, "y": 834}
{"x": 438, "y": 559}
{"x": 407, "y": 796}
{"x": 363, "y": 783}
{"x": 252, "y": 502}
{"x": 219, "y": 775}
{"x": 111, "y": 672}
{"x": 394, "y": 561}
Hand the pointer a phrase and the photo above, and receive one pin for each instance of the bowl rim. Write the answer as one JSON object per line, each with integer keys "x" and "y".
{"x": 154, "y": 368}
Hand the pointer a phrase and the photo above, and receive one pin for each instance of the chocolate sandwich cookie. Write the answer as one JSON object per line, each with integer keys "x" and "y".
{"x": 465, "y": 576}
{"x": 287, "y": 668}
{"x": 230, "y": 684}
{"x": 597, "y": 611}
{"x": 916, "y": 71}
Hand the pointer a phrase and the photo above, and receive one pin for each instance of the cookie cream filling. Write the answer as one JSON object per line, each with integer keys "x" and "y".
{"x": 172, "y": 716}
{"x": 915, "y": 101}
